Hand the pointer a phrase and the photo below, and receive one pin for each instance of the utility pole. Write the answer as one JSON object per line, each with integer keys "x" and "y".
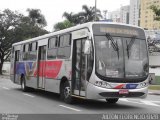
{"x": 95, "y": 19}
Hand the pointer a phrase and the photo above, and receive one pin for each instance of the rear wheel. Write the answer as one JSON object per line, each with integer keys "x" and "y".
{"x": 65, "y": 92}
{"x": 23, "y": 84}
{"x": 112, "y": 100}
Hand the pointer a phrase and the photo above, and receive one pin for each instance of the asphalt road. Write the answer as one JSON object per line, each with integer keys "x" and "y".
{"x": 14, "y": 101}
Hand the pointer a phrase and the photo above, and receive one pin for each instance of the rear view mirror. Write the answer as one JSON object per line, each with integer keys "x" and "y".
{"x": 87, "y": 47}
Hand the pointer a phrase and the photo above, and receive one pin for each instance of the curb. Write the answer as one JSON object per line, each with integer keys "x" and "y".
{"x": 154, "y": 93}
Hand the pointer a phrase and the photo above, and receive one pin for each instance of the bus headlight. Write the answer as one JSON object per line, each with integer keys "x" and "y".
{"x": 102, "y": 84}
{"x": 143, "y": 84}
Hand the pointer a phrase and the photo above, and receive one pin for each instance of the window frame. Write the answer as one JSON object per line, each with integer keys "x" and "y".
{"x": 31, "y": 46}
{"x": 56, "y": 42}
{"x": 55, "y": 47}
{"x": 64, "y": 46}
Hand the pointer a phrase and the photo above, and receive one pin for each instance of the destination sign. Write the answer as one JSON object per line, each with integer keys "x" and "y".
{"x": 118, "y": 30}
{"x": 113, "y": 30}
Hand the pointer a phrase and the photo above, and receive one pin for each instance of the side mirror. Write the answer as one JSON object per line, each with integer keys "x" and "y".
{"x": 87, "y": 47}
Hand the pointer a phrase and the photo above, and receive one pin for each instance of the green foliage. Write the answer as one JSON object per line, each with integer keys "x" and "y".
{"x": 62, "y": 25}
{"x": 37, "y": 18}
{"x": 156, "y": 10}
{"x": 15, "y": 27}
{"x": 87, "y": 15}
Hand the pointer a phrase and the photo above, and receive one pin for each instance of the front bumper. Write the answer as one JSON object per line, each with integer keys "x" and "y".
{"x": 95, "y": 92}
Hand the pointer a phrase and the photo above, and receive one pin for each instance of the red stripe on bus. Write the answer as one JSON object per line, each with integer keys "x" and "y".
{"x": 119, "y": 86}
{"x": 49, "y": 69}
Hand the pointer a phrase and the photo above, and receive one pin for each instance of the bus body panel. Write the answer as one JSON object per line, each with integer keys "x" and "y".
{"x": 95, "y": 92}
{"x": 57, "y": 69}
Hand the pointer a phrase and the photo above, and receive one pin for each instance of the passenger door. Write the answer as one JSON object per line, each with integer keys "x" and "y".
{"x": 16, "y": 67}
{"x": 41, "y": 66}
{"x": 79, "y": 68}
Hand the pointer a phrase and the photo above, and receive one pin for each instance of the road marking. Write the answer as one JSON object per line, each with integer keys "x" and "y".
{"x": 69, "y": 108}
{"x": 28, "y": 95}
{"x": 149, "y": 103}
{"x": 150, "y": 92}
{"x": 146, "y": 102}
{"x": 156, "y": 101}
{"x": 126, "y": 100}
{"x": 6, "y": 88}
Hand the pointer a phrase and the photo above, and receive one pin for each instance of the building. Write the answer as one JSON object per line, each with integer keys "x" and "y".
{"x": 114, "y": 16}
{"x": 154, "y": 69}
{"x": 134, "y": 17}
{"x": 147, "y": 15}
{"x": 124, "y": 14}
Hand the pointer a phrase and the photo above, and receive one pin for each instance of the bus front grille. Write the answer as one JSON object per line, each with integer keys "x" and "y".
{"x": 116, "y": 94}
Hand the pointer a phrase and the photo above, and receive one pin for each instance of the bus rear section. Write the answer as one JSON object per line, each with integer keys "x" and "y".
{"x": 121, "y": 64}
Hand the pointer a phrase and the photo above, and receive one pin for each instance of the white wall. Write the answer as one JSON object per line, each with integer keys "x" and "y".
{"x": 155, "y": 70}
{"x": 6, "y": 67}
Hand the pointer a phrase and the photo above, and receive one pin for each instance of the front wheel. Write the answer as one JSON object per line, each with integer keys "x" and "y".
{"x": 112, "y": 100}
{"x": 66, "y": 92}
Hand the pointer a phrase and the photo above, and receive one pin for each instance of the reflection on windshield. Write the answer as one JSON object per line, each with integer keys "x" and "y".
{"x": 137, "y": 63}
{"x": 130, "y": 45}
{"x": 109, "y": 63}
{"x": 130, "y": 62}
{"x": 113, "y": 43}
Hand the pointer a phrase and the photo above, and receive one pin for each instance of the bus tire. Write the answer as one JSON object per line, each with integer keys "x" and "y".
{"x": 65, "y": 93}
{"x": 112, "y": 100}
{"x": 23, "y": 84}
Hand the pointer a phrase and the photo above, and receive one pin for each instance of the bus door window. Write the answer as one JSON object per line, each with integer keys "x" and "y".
{"x": 42, "y": 58}
{"x": 83, "y": 66}
{"x": 17, "y": 55}
{"x": 78, "y": 65}
{"x": 16, "y": 67}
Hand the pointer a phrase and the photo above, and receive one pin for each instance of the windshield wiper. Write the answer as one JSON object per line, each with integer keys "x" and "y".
{"x": 130, "y": 44}
{"x": 113, "y": 43}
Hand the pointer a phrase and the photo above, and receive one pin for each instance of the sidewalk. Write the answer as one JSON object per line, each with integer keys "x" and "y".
{"x": 5, "y": 76}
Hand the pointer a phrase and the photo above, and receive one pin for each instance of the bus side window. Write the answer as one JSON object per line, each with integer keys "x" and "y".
{"x": 25, "y": 51}
{"x": 33, "y": 51}
{"x": 64, "y": 46}
{"x": 52, "y": 48}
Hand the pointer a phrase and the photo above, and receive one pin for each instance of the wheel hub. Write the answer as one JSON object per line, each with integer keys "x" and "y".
{"x": 66, "y": 92}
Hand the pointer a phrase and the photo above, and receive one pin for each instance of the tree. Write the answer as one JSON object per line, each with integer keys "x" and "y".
{"x": 37, "y": 18}
{"x": 62, "y": 25}
{"x": 15, "y": 27}
{"x": 89, "y": 14}
{"x": 73, "y": 18}
{"x": 156, "y": 10}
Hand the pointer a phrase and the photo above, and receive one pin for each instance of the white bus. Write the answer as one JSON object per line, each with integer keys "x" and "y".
{"x": 96, "y": 60}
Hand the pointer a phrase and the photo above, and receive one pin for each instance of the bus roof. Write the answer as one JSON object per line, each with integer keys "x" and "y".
{"x": 85, "y": 25}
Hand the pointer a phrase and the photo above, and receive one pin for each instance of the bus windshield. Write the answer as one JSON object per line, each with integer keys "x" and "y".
{"x": 120, "y": 56}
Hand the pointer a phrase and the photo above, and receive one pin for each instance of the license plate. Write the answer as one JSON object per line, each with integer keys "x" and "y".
{"x": 123, "y": 92}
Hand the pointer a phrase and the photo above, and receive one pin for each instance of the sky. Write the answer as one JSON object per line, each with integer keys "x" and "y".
{"x": 54, "y": 9}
